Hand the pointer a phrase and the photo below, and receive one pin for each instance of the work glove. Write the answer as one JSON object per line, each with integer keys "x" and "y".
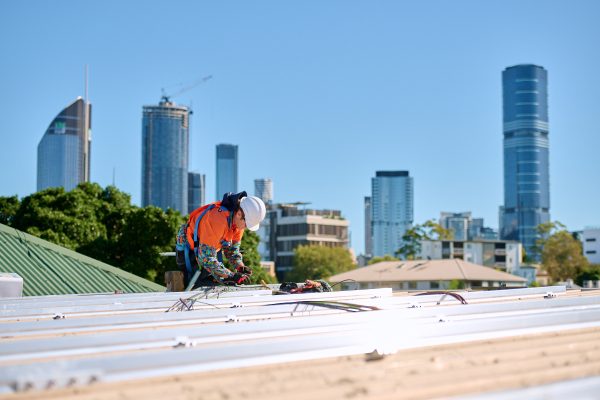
{"x": 242, "y": 269}
{"x": 236, "y": 279}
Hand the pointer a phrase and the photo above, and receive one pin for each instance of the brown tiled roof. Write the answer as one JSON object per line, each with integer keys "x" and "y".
{"x": 426, "y": 270}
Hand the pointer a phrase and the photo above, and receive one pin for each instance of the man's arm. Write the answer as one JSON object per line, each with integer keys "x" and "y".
{"x": 207, "y": 258}
{"x": 231, "y": 250}
{"x": 234, "y": 255}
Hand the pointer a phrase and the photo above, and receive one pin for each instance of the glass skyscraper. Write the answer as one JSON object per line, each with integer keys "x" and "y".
{"x": 196, "y": 190}
{"x": 63, "y": 154}
{"x": 526, "y": 171}
{"x": 391, "y": 210}
{"x": 165, "y": 142}
{"x": 263, "y": 189}
{"x": 227, "y": 169}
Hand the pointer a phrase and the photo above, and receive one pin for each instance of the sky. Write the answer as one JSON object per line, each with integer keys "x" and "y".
{"x": 317, "y": 94}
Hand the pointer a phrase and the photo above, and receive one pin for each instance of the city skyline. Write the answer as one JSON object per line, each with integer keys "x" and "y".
{"x": 342, "y": 90}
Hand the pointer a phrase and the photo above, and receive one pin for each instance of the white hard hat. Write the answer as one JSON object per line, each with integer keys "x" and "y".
{"x": 254, "y": 211}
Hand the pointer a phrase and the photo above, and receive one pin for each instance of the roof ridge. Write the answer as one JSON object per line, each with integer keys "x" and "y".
{"x": 462, "y": 271}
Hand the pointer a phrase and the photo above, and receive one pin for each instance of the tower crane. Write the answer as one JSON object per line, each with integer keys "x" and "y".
{"x": 167, "y": 97}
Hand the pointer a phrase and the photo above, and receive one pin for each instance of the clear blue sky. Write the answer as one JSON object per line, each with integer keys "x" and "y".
{"x": 317, "y": 94}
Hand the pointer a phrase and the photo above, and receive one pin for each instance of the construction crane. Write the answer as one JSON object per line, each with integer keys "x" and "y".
{"x": 167, "y": 97}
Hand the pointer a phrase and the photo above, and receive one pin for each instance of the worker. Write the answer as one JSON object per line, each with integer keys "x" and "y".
{"x": 213, "y": 231}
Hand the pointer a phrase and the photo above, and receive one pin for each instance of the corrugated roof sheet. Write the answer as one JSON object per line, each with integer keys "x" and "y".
{"x": 425, "y": 270}
{"x": 415, "y": 347}
{"x": 48, "y": 269}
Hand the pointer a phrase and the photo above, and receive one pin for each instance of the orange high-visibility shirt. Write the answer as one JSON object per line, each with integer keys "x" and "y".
{"x": 213, "y": 228}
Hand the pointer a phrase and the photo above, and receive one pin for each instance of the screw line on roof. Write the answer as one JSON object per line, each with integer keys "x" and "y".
{"x": 41, "y": 262}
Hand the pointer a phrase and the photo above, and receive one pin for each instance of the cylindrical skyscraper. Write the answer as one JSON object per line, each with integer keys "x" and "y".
{"x": 526, "y": 170}
{"x": 165, "y": 141}
{"x": 263, "y": 189}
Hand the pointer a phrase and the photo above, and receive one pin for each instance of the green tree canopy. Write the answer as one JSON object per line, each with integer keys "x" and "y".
{"x": 319, "y": 262}
{"x": 429, "y": 230}
{"x": 8, "y": 209}
{"x": 147, "y": 232}
{"x": 590, "y": 273}
{"x": 65, "y": 218}
{"x": 562, "y": 255}
{"x": 387, "y": 257}
{"x": 544, "y": 230}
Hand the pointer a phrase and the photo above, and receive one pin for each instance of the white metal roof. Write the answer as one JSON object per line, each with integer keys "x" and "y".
{"x": 77, "y": 341}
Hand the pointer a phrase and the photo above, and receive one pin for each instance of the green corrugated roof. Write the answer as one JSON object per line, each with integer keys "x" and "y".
{"x": 49, "y": 269}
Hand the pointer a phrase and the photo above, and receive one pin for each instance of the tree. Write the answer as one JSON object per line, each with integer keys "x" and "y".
{"x": 430, "y": 230}
{"x": 8, "y": 208}
{"x": 544, "y": 230}
{"x": 591, "y": 273}
{"x": 249, "y": 250}
{"x": 319, "y": 262}
{"x": 456, "y": 284}
{"x": 147, "y": 232}
{"x": 68, "y": 219}
{"x": 387, "y": 257}
{"x": 562, "y": 255}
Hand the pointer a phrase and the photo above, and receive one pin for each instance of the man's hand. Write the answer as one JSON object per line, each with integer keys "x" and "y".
{"x": 236, "y": 279}
{"x": 242, "y": 269}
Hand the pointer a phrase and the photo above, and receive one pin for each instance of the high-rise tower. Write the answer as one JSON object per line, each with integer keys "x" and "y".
{"x": 63, "y": 155}
{"x": 526, "y": 171}
{"x": 165, "y": 142}
{"x": 368, "y": 227}
{"x": 227, "y": 169}
{"x": 196, "y": 190}
{"x": 392, "y": 210}
{"x": 263, "y": 189}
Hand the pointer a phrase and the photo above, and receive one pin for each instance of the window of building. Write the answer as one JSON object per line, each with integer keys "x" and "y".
{"x": 590, "y": 252}
{"x": 434, "y": 285}
{"x": 412, "y": 285}
{"x": 289, "y": 245}
{"x": 590, "y": 239}
{"x": 284, "y": 261}
{"x": 292, "y": 229}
